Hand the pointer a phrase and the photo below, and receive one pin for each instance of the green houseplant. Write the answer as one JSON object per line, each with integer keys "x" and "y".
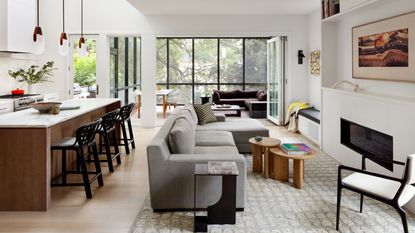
{"x": 33, "y": 75}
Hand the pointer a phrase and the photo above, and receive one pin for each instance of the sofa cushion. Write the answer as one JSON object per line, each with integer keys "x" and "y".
{"x": 247, "y": 94}
{"x": 182, "y": 136}
{"x": 220, "y": 150}
{"x": 191, "y": 109}
{"x": 239, "y": 102}
{"x": 214, "y": 138}
{"x": 187, "y": 115}
{"x": 228, "y": 94}
{"x": 204, "y": 113}
{"x": 241, "y": 129}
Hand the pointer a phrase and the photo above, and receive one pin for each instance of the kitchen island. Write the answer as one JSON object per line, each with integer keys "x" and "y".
{"x": 26, "y": 164}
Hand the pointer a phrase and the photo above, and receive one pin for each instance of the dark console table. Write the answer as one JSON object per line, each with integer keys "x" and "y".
{"x": 224, "y": 211}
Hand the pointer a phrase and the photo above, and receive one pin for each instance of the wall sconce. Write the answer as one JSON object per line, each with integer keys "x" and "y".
{"x": 300, "y": 57}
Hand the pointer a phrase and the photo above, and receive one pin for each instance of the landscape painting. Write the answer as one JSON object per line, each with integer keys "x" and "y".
{"x": 386, "y": 49}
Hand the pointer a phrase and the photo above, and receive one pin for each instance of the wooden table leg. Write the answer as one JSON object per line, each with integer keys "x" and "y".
{"x": 298, "y": 173}
{"x": 139, "y": 105}
{"x": 164, "y": 106}
{"x": 256, "y": 158}
{"x": 266, "y": 164}
{"x": 280, "y": 166}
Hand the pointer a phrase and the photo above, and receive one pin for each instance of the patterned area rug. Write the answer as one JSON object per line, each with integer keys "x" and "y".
{"x": 273, "y": 206}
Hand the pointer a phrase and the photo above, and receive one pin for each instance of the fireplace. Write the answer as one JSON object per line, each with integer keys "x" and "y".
{"x": 366, "y": 141}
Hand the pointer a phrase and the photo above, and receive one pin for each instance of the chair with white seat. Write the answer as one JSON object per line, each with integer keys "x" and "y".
{"x": 390, "y": 190}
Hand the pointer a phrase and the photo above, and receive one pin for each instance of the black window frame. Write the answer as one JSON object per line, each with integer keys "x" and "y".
{"x": 137, "y": 77}
{"x": 218, "y": 83}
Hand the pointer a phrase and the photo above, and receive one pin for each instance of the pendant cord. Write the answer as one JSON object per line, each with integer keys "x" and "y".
{"x": 37, "y": 13}
{"x": 82, "y": 18}
{"x": 63, "y": 15}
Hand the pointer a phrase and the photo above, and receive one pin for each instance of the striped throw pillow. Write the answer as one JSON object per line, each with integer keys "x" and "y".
{"x": 204, "y": 113}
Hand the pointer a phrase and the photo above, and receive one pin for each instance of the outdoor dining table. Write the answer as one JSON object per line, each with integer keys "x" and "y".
{"x": 162, "y": 93}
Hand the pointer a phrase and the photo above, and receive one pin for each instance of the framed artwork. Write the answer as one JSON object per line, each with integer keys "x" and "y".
{"x": 315, "y": 63}
{"x": 385, "y": 49}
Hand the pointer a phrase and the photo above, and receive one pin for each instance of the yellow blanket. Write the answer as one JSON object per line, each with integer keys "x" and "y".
{"x": 292, "y": 112}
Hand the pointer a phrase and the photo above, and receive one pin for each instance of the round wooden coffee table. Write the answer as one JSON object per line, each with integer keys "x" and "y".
{"x": 257, "y": 147}
{"x": 279, "y": 161}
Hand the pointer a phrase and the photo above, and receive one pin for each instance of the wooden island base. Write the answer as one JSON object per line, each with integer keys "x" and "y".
{"x": 26, "y": 164}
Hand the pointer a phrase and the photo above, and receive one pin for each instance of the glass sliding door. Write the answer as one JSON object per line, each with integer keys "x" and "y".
{"x": 125, "y": 68}
{"x": 276, "y": 77}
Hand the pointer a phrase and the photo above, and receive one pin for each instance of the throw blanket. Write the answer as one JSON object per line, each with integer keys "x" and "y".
{"x": 292, "y": 114}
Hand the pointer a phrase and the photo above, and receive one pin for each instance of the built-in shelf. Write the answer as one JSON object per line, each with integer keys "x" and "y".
{"x": 374, "y": 96}
{"x": 354, "y": 10}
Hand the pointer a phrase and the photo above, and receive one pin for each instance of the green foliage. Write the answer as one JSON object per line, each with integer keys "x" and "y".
{"x": 85, "y": 67}
{"x": 34, "y": 74}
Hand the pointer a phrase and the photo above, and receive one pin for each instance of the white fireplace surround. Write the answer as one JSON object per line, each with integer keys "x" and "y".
{"x": 391, "y": 115}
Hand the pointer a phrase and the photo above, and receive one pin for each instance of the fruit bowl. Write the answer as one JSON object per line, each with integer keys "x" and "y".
{"x": 47, "y": 107}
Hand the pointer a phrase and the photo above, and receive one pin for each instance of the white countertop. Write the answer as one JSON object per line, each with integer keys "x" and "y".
{"x": 31, "y": 118}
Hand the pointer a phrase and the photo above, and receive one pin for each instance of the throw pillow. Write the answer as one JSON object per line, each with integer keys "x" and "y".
{"x": 204, "y": 113}
{"x": 182, "y": 137}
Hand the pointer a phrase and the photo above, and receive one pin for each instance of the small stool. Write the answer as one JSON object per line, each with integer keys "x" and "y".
{"x": 257, "y": 147}
{"x": 125, "y": 121}
{"x": 84, "y": 141}
{"x": 106, "y": 132}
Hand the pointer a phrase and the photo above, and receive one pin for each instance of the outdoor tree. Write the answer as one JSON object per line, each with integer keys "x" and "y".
{"x": 85, "y": 67}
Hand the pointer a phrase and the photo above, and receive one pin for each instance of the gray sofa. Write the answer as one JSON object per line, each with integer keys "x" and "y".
{"x": 171, "y": 174}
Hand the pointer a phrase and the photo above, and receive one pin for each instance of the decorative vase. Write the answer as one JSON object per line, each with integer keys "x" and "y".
{"x": 31, "y": 89}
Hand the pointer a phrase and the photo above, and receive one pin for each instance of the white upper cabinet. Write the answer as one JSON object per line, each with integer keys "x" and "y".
{"x": 17, "y": 22}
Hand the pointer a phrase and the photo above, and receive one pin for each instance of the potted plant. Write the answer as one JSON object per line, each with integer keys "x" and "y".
{"x": 33, "y": 75}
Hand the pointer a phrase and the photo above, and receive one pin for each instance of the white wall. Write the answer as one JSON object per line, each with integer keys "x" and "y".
{"x": 13, "y": 62}
{"x": 314, "y": 43}
{"x": 381, "y": 105}
{"x": 344, "y": 55}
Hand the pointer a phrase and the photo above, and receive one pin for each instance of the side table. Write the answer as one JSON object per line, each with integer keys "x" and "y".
{"x": 205, "y": 99}
{"x": 224, "y": 211}
{"x": 257, "y": 148}
{"x": 280, "y": 165}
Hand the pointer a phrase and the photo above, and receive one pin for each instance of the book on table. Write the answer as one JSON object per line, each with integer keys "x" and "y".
{"x": 295, "y": 148}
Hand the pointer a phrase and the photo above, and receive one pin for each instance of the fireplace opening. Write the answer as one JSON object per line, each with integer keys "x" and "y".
{"x": 366, "y": 141}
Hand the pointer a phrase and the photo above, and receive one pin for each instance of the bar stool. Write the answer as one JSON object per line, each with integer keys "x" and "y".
{"x": 125, "y": 121}
{"x": 81, "y": 144}
{"x": 106, "y": 132}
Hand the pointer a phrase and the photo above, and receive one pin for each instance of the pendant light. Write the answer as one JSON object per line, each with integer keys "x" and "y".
{"x": 38, "y": 38}
{"x": 82, "y": 48}
{"x": 63, "y": 41}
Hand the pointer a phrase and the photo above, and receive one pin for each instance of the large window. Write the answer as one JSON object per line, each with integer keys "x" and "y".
{"x": 197, "y": 66}
{"x": 125, "y": 68}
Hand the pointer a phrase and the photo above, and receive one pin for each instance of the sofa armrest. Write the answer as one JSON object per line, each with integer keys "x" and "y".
{"x": 215, "y": 97}
{"x": 220, "y": 117}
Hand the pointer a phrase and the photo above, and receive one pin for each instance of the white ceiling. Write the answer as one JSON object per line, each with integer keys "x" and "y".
{"x": 225, "y": 7}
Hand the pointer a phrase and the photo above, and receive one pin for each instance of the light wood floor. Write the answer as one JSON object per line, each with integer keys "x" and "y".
{"x": 113, "y": 207}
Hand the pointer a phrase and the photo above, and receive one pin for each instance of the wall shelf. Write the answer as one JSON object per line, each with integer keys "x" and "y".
{"x": 354, "y": 10}
{"x": 374, "y": 96}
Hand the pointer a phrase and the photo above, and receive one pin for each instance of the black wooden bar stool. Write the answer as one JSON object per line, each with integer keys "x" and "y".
{"x": 125, "y": 121}
{"x": 81, "y": 144}
{"x": 108, "y": 136}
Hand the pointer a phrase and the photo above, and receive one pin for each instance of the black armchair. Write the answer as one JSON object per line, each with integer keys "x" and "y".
{"x": 390, "y": 190}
